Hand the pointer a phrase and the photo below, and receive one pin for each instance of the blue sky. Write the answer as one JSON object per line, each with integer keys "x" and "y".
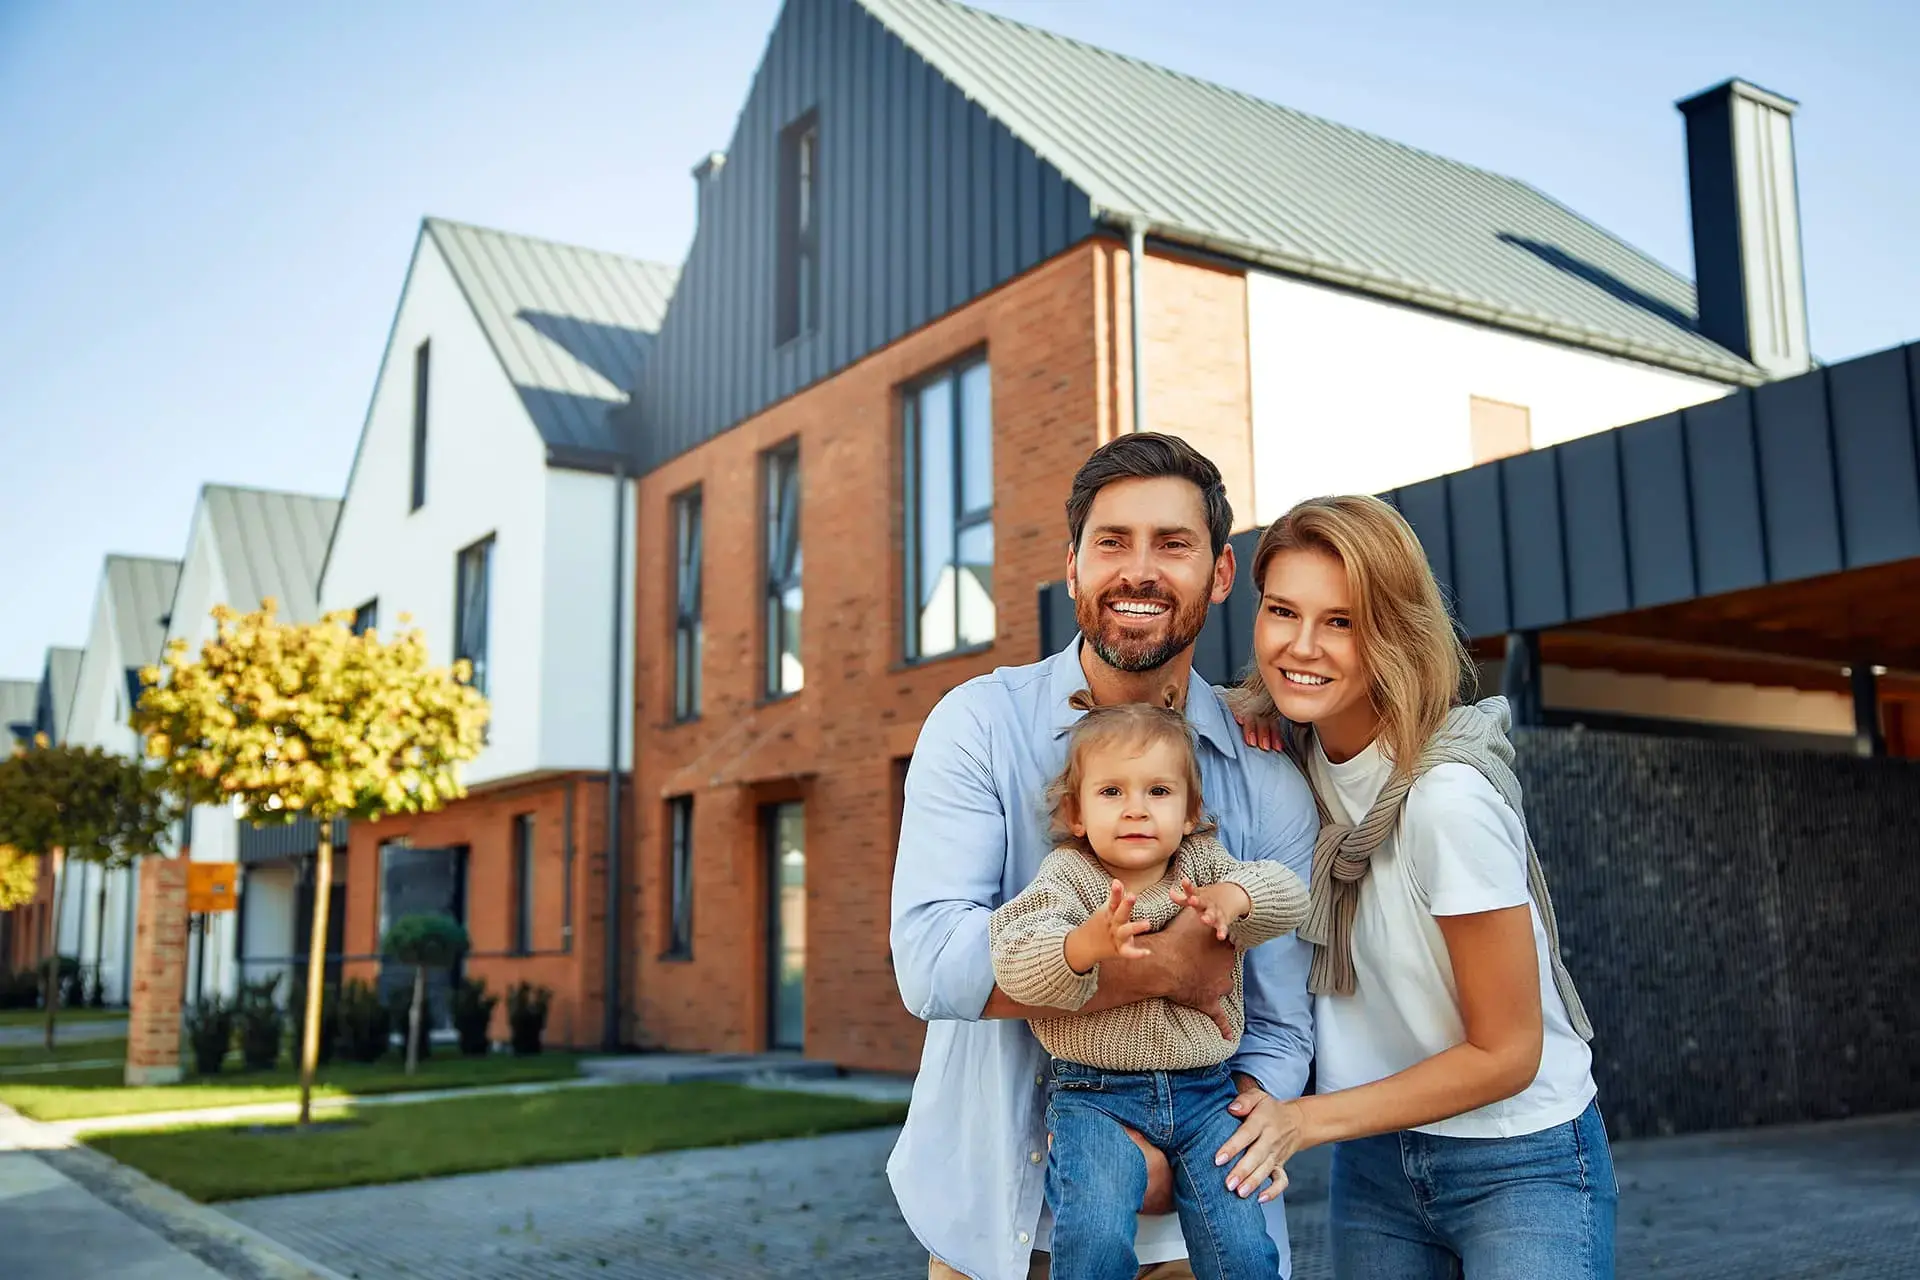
{"x": 206, "y": 209}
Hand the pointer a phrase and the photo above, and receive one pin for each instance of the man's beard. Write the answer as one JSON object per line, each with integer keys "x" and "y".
{"x": 1126, "y": 651}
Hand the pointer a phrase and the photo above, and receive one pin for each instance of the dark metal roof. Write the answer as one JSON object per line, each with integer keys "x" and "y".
{"x": 1225, "y": 171}
{"x": 297, "y": 839}
{"x": 17, "y": 701}
{"x": 1794, "y": 480}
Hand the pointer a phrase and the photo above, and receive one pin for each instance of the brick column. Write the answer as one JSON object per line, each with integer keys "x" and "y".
{"x": 159, "y": 972}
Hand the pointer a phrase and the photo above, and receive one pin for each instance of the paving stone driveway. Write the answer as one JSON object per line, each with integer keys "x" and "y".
{"x": 1819, "y": 1201}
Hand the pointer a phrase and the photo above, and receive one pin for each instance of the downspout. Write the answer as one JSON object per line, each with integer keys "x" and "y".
{"x": 1136, "y": 250}
{"x": 610, "y": 1029}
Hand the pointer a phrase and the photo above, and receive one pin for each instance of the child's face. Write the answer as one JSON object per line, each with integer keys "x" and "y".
{"x": 1133, "y": 804}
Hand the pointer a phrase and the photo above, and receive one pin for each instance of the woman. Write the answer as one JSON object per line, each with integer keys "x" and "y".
{"x": 1450, "y": 1046}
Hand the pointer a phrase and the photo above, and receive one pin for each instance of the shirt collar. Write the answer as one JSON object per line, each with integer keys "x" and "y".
{"x": 1204, "y": 710}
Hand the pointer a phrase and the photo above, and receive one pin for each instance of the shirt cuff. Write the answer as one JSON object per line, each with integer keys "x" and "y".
{"x": 963, "y": 974}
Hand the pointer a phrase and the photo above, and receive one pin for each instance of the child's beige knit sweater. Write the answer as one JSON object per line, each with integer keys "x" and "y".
{"x": 1028, "y": 935}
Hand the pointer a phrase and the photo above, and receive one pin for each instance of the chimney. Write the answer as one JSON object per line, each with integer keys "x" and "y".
{"x": 1746, "y": 225}
{"x": 705, "y": 174}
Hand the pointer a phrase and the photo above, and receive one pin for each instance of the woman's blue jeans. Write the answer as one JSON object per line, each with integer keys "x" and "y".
{"x": 1413, "y": 1206}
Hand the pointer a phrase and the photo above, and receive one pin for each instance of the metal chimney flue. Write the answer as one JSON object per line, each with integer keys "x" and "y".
{"x": 704, "y": 175}
{"x": 1746, "y": 225}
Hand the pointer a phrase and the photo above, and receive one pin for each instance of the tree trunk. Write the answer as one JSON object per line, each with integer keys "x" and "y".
{"x": 413, "y": 1017}
{"x": 316, "y": 968}
{"x": 52, "y": 966}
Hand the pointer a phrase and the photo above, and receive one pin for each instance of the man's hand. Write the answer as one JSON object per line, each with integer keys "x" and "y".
{"x": 1190, "y": 966}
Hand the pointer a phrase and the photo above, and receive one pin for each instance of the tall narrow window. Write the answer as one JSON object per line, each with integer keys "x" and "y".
{"x": 687, "y": 634}
{"x": 522, "y": 883}
{"x": 1500, "y": 430}
{"x": 472, "y": 587}
{"x": 949, "y": 535}
{"x": 798, "y": 250}
{"x": 421, "y": 363}
{"x": 367, "y": 617}
{"x": 680, "y": 877}
{"x": 782, "y": 485}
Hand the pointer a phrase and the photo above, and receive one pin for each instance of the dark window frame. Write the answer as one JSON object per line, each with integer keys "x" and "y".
{"x": 689, "y": 631}
{"x": 797, "y": 232}
{"x": 367, "y": 617}
{"x": 482, "y": 549}
{"x": 679, "y": 877}
{"x": 525, "y": 848}
{"x": 965, "y": 519}
{"x": 422, "y": 376}
{"x": 782, "y": 561}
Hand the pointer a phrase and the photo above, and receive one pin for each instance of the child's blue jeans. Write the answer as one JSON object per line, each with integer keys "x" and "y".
{"x": 1096, "y": 1175}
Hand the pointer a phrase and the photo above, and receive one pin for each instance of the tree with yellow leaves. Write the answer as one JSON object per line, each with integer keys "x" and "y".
{"x": 284, "y": 721}
{"x": 79, "y": 804}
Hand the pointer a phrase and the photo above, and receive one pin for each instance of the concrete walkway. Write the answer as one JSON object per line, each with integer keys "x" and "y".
{"x": 77, "y": 1031}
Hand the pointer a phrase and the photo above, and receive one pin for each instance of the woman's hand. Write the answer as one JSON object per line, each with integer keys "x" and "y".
{"x": 1258, "y": 718}
{"x": 1271, "y": 1132}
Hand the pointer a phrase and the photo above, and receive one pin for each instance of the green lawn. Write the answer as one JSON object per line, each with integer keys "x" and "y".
{"x": 81, "y": 1095}
{"x": 63, "y": 1051}
{"x": 470, "y": 1135}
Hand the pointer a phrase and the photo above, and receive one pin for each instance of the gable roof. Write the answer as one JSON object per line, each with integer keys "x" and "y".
{"x": 141, "y": 590}
{"x": 1227, "y": 172}
{"x": 18, "y": 698}
{"x": 270, "y": 544}
{"x": 59, "y": 683}
{"x": 570, "y": 326}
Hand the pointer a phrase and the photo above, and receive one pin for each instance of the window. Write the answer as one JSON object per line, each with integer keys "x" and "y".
{"x": 522, "y": 883}
{"x": 782, "y": 485}
{"x": 798, "y": 305}
{"x": 1500, "y": 430}
{"x": 472, "y": 586}
{"x": 687, "y": 636}
{"x": 366, "y": 618}
{"x": 949, "y": 535}
{"x": 680, "y": 877}
{"x": 421, "y": 362}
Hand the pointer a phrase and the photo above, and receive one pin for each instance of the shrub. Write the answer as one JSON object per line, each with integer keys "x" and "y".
{"x": 259, "y": 1021}
{"x": 527, "y": 1007}
{"x": 366, "y": 1028}
{"x": 473, "y": 1015}
{"x": 400, "y": 1017}
{"x": 329, "y": 1018}
{"x": 73, "y": 988}
{"x": 20, "y": 990}
{"x": 210, "y": 1032}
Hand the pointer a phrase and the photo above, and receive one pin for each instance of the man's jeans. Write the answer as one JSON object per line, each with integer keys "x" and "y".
{"x": 1096, "y": 1175}
{"x": 1413, "y": 1206}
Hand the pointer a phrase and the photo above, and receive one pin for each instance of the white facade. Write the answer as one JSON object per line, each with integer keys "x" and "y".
{"x": 549, "y": 629}
{"x": 1355, "y": 395}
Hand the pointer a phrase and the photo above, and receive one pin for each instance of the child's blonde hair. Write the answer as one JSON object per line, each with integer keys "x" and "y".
{"x": 1136, "y": 725}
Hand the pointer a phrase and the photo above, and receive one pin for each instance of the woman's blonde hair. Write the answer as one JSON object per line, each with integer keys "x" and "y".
{"x": 1133, "y": 725}
{"x": 1417, "y": 668}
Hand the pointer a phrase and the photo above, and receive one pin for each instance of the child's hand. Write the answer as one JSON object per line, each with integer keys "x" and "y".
{"x": 1220, "y": 905}
{"x": 1108, "y": 934}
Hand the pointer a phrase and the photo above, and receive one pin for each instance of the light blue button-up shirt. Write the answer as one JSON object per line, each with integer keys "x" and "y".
{"x": 969, "y": 1170}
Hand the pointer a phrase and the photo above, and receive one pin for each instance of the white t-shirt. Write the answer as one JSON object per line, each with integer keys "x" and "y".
{"x": 1458, "y": 850}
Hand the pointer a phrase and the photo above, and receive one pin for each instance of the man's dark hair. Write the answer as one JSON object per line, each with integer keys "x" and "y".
{"x": 1147, "y": 455}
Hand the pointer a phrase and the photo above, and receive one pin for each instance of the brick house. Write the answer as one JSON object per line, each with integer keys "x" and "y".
{"x": 909, "y": 311}
{"x": 484, "y": 504}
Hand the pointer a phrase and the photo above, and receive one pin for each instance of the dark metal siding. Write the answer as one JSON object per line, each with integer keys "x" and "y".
{"x": 297, "y": 839}
{"x": 925, "y": 204}
{"x": 1794, "y": 479}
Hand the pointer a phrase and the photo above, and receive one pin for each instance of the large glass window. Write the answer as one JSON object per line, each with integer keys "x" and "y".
{"x": 688, "y": 637}
{"x": 473, "y": 585}
{"x": 949, "y": 485}
{"x": 785, "y": 674}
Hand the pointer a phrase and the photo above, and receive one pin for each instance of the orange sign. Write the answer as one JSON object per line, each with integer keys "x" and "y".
{"x": 211, "y": 886}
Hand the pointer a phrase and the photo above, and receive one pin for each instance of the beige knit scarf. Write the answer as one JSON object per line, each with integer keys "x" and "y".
{"x": 1473, "y": 735}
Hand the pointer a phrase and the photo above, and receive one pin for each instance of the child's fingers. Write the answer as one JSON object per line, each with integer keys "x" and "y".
{"x": 1116, "y": 893}
{"x": 1132, "y": 929}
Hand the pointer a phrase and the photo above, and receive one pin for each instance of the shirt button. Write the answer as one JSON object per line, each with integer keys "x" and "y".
{"x": 1039, "y": 1079}
{"x": 1023, "y": 1237}
{"x": 1035, "y": 1156}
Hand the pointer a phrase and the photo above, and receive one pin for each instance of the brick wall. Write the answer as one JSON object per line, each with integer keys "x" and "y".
{"x": 1743, "y": 924}
{"x": 159, "y": 972}
{"x": 573, "y": 965}
{"x": 1056, "y": 343}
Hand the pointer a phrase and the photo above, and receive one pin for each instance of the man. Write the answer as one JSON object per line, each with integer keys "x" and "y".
{"x": 1147, "y": 524}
